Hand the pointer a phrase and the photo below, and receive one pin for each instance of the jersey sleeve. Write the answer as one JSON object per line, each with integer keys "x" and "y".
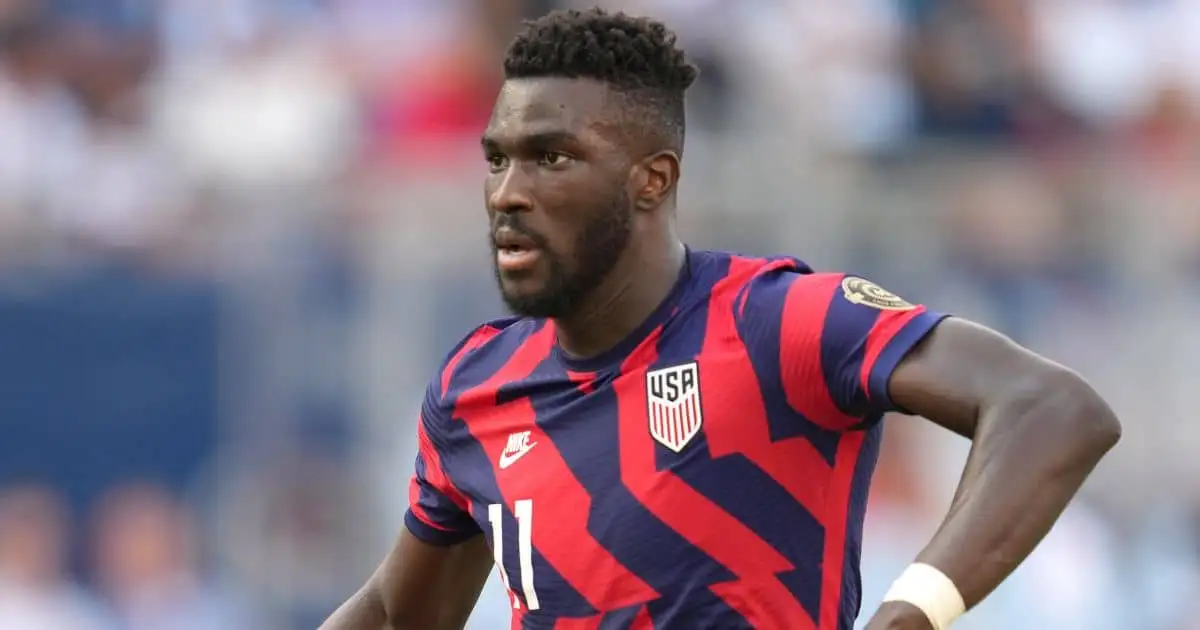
{"x": 838, "y": 339}
{"x": 437, "y": 512}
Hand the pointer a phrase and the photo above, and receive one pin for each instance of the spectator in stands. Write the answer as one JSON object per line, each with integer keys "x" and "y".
{"x": 146, "y": 564}
{"x": 36, "y": 592}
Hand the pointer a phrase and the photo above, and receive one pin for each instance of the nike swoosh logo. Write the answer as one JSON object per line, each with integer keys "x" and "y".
{"x": 507, "y": 460}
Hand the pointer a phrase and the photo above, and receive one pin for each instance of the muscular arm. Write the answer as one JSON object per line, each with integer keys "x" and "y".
{"x": 1038, "y": 430}
{"x": 418, "y": 587}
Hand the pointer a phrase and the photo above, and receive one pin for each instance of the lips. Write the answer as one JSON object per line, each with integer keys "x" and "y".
{"x": 508, "y": 239}
{"x": 515, "y": 251}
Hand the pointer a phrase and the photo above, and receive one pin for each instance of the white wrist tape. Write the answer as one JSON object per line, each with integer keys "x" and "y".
{"x": 927, "y": 588}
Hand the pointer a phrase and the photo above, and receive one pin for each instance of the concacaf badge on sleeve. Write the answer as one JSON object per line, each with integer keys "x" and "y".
{"x": 863, "y": 291}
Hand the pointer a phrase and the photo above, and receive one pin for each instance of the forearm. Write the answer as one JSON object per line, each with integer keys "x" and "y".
{"x": 1031, "y": 452}
{"x": 363, "y": 611}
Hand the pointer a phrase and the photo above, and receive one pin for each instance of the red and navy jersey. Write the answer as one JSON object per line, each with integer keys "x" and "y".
{"x": 710, "y": 471}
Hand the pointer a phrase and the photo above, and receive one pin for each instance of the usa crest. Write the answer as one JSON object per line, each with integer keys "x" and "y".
{"x": 673, "y": 405}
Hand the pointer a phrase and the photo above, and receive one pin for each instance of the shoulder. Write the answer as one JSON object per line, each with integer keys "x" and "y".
{"x": 788, "y": 282}
{"x": 482, "y": 345}
{"x": 760, "y": 289}
{"x": 758, "y": 285}
{"x": 732, "y": 276}
{"x": 795, "y": 302}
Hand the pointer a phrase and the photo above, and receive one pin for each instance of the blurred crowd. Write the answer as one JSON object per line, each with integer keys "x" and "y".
{"x": 235, "y": 235}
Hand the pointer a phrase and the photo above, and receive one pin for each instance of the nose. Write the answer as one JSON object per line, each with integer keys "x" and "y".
{"x": 511, "y": 192}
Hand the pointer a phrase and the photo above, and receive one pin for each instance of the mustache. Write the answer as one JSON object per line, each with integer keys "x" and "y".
{"x": 513, "y": 222}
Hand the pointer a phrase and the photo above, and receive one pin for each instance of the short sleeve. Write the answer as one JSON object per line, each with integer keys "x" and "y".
{"x": 437, "y": 512}
{"x": 838, "y": 339}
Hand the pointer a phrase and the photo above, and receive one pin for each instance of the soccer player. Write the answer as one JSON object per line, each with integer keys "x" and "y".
{"x": 674, "y": 439}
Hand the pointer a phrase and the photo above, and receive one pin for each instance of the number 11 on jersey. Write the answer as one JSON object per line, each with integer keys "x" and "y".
{"x": 524, "y": 513}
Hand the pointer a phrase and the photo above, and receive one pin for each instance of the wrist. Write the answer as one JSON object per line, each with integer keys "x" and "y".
{"x": 928, "y": 591}
{"x": 900, "y": 616}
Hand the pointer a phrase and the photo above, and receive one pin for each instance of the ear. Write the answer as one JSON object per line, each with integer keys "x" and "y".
{"x": 655, "y": 180}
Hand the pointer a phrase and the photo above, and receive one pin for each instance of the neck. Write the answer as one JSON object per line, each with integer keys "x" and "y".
{"x": 635, "y": 287}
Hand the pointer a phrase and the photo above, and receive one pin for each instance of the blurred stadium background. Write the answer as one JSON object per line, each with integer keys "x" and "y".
{"x": 236, "y": 234}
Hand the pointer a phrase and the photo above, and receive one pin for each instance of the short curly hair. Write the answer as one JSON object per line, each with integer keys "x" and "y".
{"x": 636, "y": 56}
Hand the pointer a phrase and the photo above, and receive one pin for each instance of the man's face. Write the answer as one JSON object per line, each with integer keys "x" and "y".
{"x": 559, "y": 210}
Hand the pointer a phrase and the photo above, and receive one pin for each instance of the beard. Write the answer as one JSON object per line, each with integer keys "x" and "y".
{"x": 567, "y": 283}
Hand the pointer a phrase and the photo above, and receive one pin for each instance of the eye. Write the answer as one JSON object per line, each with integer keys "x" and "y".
{"x": 551, "y": 158}
{"x": 497, "y": 162}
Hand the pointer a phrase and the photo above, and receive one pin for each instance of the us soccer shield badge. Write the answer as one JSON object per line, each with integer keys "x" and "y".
{"x": 673, "y": 405}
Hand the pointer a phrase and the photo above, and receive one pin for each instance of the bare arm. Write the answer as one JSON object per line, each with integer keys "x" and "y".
{"x": 1038, "y": 430}
{"x": 418, "y": 586}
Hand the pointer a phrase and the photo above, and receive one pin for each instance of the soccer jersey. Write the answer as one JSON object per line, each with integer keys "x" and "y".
{"x": 709, "y": 471}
